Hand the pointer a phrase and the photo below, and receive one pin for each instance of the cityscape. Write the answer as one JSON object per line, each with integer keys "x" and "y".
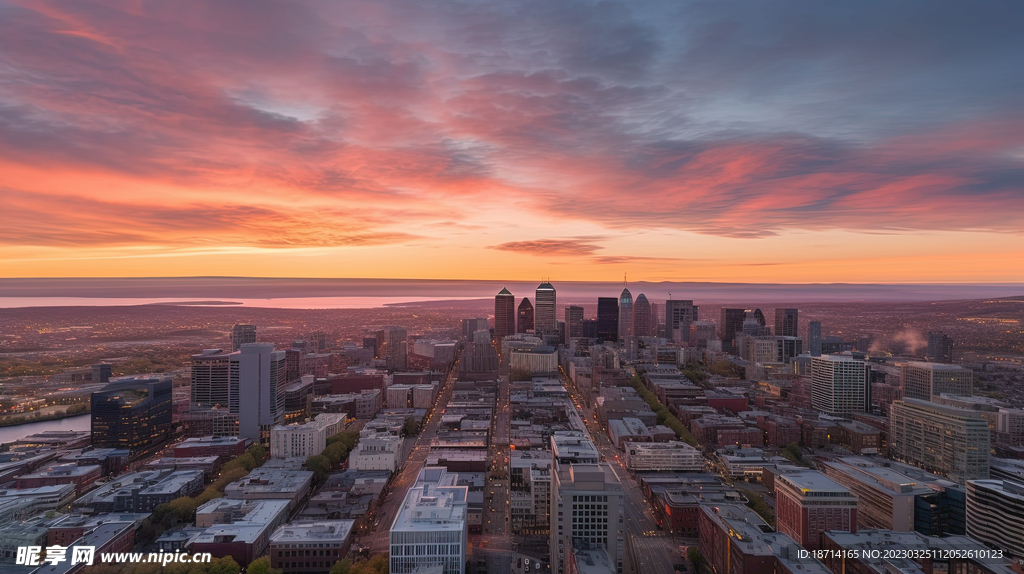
{"x": 528, "y": 432}
{"x": 511, "y": 287}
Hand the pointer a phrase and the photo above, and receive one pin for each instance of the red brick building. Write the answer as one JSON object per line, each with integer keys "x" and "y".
{"x": 226, "y": 448}
{"x": 808, "y": 503}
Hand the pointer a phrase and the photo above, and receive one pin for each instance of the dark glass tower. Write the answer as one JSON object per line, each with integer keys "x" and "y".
{"x": 132, "y": 413}
{"x": 525, "y": 316}
{"x": 642, "y": 317}
{"x": 786, "y": 321}
{"x": 504, "y": 314}
{"x": 608, "y": 318}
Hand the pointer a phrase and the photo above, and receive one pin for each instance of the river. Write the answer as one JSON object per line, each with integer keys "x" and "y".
{"x": 18, "y": 432}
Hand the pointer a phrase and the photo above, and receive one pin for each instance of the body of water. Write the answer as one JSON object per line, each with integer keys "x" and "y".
{"x": 18, "y": 432}
{"x": 275, "y": 302}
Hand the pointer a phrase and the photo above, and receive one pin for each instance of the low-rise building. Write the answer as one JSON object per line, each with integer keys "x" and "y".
{"x": 225, "y": 447}
{"x": 271, "y": 483}
{"x": 674, "y": 455}
{"x": 236, "y": 528}
{"x": 885, "y": 552}
{"x": 378, "y": 451}
{"x": 735, "y": 540}
{"x": 310, "y": 546}
{"x": 431, "y": 525}
{"x": 305, "y": 440}
{"x": 809, "y": 503}
{"x": 81, "y": 477}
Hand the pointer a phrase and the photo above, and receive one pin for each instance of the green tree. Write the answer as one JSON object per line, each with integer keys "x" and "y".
{"x": 376, "y": 565}
{"x": 225, "y": 565}
{"x": 320, "y": 466}
{"x": 342, "y": 567}
{"x": 696, "y": 559}
{"x": 262, "y": 566}
{"x": 410, "y": 428}
{"x": 183, "y": 508}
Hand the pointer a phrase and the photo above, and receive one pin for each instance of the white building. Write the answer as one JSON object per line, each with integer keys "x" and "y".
{"x": 840, "y": 385}
{"x": 586, "y": 507}
{"x": 258, "y": 377}
{"x": 674, "y": 455}
{"x": 995, "y": 514}
{"x": 398, "y": 396}
{"x": 423, "y": 395}
{"x": 305, "y": 440}
{"x": 538, "y": 360}
{"x": 925, "y": 380}
{"x": 430, "y": 527}
{"x": 378, "y": 451}
{"x": 947, "y": 440}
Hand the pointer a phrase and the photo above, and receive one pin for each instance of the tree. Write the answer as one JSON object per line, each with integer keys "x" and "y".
{"x": 183, "y": 508}
{"x": 694, "y": 556}
{"x": 225, "y": 565}
{"x": 410, "y": 427}
{"x": 262, "y": 566}
{"x": 320, "y": 467}
{"x": 376, "y": 565}
{"x": 342, "y": 567}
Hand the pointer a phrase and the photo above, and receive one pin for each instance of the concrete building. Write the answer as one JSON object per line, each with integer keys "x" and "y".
{"x": 809, "y": 503}
{"x": 814, "y": 338}
{"x": 926, "y": 380}
{"x": 679, "y": 315}
{"x": 787, "y": 322}
{"x": 675, "y": 455}
{"x": 840, "y": 385}
{"x": 310, "y": 546}
{"x": 271, "y": 484}
{"x": 395, "y": 350}
{"x": 530, "y": 483}
{"x": 241, "y": 335}
{"x": 305, "y": 440}
{"x": 546, "y": 323}
{"x": 226, "y": 448}
{"x": 947, "y": 440}
{"x": 81, "y": 477}
{"x": 586, "y": 506}
{"x": 735, "y": 540}
{"x": 378, "y": 451}
{"x": 995, "y": 514}
{"x": 258, "y": 380}
{"x": 538, "y": 360}
{"x": 431, "y": 526}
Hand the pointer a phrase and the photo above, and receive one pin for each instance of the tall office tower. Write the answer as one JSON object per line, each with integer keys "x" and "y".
{"x": 940, "y": 347}
{"x": 101, "y": 373}
{"x": 608, "y": 318}
{"x": 840, "y": 385}
{"x": 642, "y": 317}
{"x": 814, "y": 334}
{"x": 257, "y": 389}
{"x": 545, "y": 322}
{"x": 573, "y": 321}
{"x": 786, "y": 322}
{"x": 679, "y": 314}
{"x": 132, "y": 413}
{"x": 590, "y": 328}
{"x": 925, "y": 380}
{"x": 504, "y": 314}
{"x": 587, "y": 505}
{"x": 242, "y": 334}
{"x": 625, "y": 315}
{"x": 939, "y": 438}
{"x": 211, "y": 379}
{"x": 808, "y": 503}
{"x": 731, "y": 323}
{"x": 472, "y": 326}
{"x": 759, "y": 317}
{"x": 525, "y": 316}
{"x": 995, "y": 514}
{"x": 396, "y": 348}
{"x": 430, "y": 528}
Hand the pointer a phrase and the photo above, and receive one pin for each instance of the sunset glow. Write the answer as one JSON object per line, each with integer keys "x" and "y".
{"x": 513, "y": 140}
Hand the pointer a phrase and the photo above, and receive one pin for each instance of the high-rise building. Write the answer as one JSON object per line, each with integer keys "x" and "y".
{"x": 642, "y": 317}
{"x": 608, "y": 318}
{"x": 731, "y": 323}
{"x": 101, "y": 373}
{"x": 211, "y": 379}
{"x": 504, "y": 314}
{"x": 472, "y": 326}
{"x": 430, "y": 528}
{"x": 786, "y": 322}
{"x": 242, "y": 334}
{"x": 625, "y": 330}
{"x": 940, "y": 347}
{"x": 939, "y": 438}
{"x": 525, "y": 324}
{"x": 840, "y": 385}
{"x": 925, "y": 380}
{"x": 758, "y": 315}
{"x": 995, "y": 514}
{"x": 587, "y": 503}
{"x": 814, "y": 337}
{"x": 573, "y": 321}
{"x": 132, "y": 413}
{"x": 257, "y": 393}
{"x": 679, "y": 315}
{"x": 808, "y": 503}
{"x": 396, "y": 348}
{"x": 546, "y": 323}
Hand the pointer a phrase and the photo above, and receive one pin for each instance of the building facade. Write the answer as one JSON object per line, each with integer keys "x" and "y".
{"x": 132, "y": 413}
{"x": 840, "y": 385}
{"x": 947, "y": 440}
{"x": 925, "y": 380}
{"x": 808, "y": 503}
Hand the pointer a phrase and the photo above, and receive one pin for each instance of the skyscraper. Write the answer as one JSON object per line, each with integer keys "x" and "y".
{"x": 257, "y": 393}
{"x": 545, "y": 322}
{"x": 786, "y": 322}
{"x": 242, "y": 334}
{"x": 679, "y": 314}
{"x": 504, "y": 314}
{"x": 731, "y": 323}
{"x": 814, "y": 334}
{"x": 840, "y": 385}
{"x": 940, "y": 347}
{"x": 608, "y": 318}
{"x": 525, "y": 316}
{"x": 211, "y": 379}
{"x": 642, "y": 317}
{"x": 396, "y": 348}
{"x": 625, "y": 315}
{"x": 132, "y": 413}
{"x": 574, "y": 321}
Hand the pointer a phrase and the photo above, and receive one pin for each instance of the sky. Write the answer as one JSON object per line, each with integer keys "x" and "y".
{"x": 673, "y": 140}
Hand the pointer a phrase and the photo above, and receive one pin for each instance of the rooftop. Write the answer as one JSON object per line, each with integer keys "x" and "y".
{"x": 313, "y": 531}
